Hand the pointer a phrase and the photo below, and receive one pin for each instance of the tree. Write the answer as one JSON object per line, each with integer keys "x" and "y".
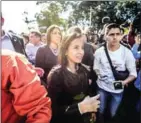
{"x": 27, "y": 20}
{"x": 51, "y": 13}
{"x": 128, "y": 10}
{"x": 94, "y": 11}
{"x": 87, "y": 13}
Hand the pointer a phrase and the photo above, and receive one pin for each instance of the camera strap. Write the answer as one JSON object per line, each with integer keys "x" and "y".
{"x": 109, "y": 59}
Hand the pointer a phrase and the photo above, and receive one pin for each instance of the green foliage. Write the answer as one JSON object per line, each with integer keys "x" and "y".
{"x": 50, "y": 14}
{"x": 83, "y": 11}
{"x": 118, "y": 12}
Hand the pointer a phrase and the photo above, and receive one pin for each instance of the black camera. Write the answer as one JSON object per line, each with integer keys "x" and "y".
{"x": 118, "y": 85}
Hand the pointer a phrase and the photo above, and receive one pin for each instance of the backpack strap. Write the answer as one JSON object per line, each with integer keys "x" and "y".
{"x": 17, "y": 43}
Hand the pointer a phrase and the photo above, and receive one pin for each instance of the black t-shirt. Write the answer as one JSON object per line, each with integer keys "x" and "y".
{"x": 88, "y": 57}
{"x": 46, "y": 60}
{"x": 66, "y": 90}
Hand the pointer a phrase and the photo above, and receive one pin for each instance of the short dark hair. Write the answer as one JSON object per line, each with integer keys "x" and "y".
{"x": 64, "y": 47}
{"x": 111, "y": 26}
{"x": 36, "y": 33}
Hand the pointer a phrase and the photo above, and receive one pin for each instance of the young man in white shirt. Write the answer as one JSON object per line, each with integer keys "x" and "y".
{"x": 122, "y": 59}
{"x": 34, "y": 44}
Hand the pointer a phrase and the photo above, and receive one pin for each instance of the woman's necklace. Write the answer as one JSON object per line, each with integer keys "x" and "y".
{"x": 54, "y": 51}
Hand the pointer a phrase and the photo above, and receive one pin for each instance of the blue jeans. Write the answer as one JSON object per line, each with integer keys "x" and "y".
{"x": 115, "y": 100}
{"x": 138, "y": 105}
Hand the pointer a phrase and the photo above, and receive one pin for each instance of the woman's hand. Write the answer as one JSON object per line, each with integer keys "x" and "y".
{"x": 89, "y": 104}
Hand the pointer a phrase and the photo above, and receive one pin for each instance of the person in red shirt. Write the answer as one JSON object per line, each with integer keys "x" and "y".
{"x": 22, "y": 92}
{"x": 131, "y": 36}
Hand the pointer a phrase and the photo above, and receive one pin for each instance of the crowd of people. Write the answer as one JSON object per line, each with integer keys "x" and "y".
{"x": 77, "y": 76}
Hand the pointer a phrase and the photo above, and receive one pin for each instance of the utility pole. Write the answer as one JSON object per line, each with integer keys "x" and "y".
{"x": 90, "y": 15}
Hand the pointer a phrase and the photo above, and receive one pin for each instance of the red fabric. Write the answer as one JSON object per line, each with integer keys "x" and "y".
{"x": 22, "y": 93}
{"x": 131, "y": 39}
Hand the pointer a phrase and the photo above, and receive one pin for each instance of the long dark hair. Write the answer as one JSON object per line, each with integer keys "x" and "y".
{"x": 64, "y": 47}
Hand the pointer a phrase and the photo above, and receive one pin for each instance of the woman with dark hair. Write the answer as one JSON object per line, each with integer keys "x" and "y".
{"x": 46, "y": 56}
{"x": 68, "y": 85}
{"x": 88, "y": 58}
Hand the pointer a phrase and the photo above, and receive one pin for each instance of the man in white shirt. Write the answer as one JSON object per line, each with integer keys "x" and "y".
{"x": 122, "y": 59}
{"x": 33, "y": 45}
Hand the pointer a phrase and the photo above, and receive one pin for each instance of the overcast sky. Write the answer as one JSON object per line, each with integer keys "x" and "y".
{"x": 12, "y": 13}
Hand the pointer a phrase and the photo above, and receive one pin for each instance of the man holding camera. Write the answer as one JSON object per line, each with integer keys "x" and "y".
{"x": 122, "y": 60}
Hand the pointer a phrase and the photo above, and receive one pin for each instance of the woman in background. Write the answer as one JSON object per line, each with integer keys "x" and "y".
{"x": 46, "y": 56}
